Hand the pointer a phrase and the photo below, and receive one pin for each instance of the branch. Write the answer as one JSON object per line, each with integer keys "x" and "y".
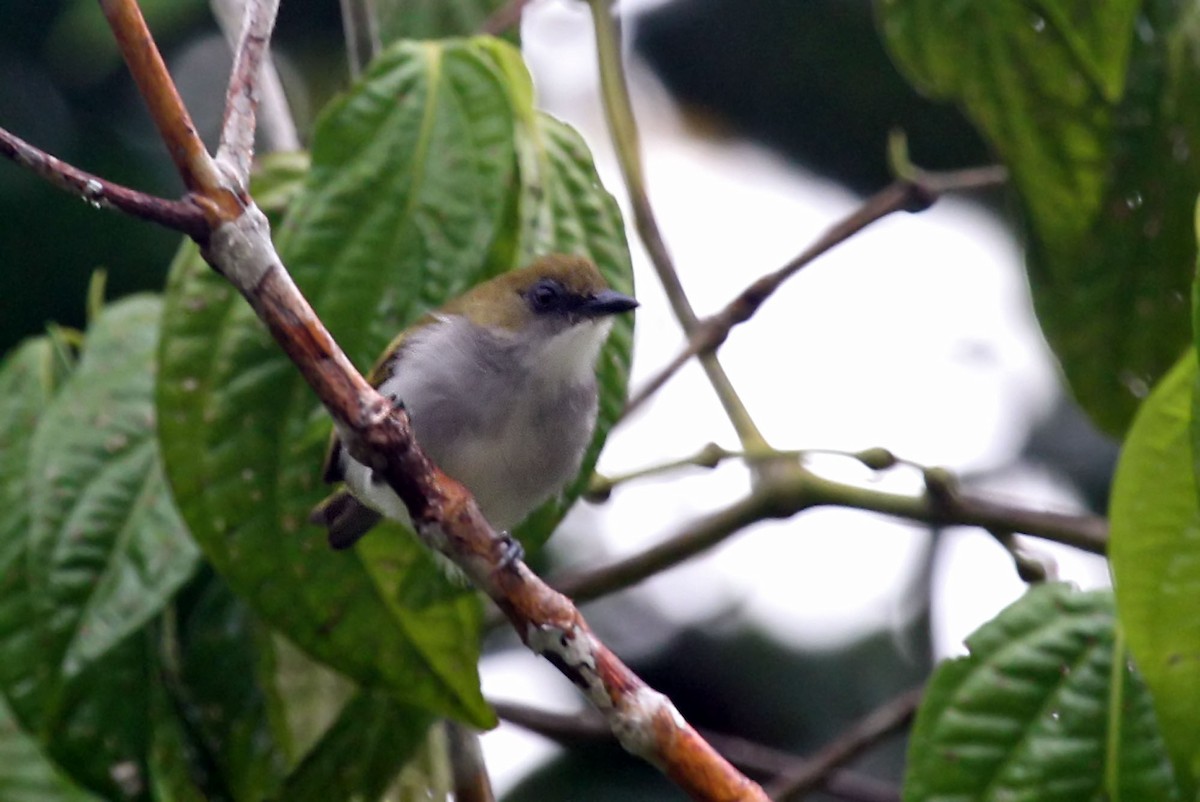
{"x": 360, "y": 25}
{"x": 913, "y": 193}
{"x": 180, "y": 216}
{"x": 237, "y": 244}
{"x": 469, "y": 774}
{"x": 788, "y": 492}
{"x": 236, "y": 148}
{"x": 197, "y": 169}
{"x": 618, "y": 112}
{"x": 275, "y": 117}
{"x": 587, "y": 728}
{"x": 858, "y": 738}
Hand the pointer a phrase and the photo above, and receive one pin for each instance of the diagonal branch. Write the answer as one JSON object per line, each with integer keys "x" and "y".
{"x": 859, "y": 737}
{"x": 618, "y": 112}
{"x": 180, "y": 216}
{"x": 236, "y": 151}
{"x": 910, "y": 194}
{"x": 585, "y": 727}
{"x": 274, "y": 116}
{"x": 195, "y": 166}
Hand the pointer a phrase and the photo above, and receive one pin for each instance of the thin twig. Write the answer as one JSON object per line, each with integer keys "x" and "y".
{"x": 468, "y": 771}
{"x": 275, "y": 120}
{"x": 236, "y": 149}
{"x": 506, "y": 17}
{"x": 859, "y": 737}
{"x": 913, "y": 194}
{"x": 179, "y": 216}
{"x": 787, "y": 493}
{"x": 1029, "y": 568}
{"x": 585, "y": 728}
{"x": 623, "y": 130}
{"x": 711, "y": 455}
{"x": 360, "y": 24}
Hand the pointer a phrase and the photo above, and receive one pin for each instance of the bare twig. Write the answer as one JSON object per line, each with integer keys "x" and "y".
{"x": 912, "y": 194}
{"x": 764, "y": 502}
{"x": 586, "y": 727}
{"x": 623, "y": 129}
{"x": 1029, "y": 567}
{"x": 469, "y": 774}
{"x": 360, "y": 24}
{"x": 859, "y": 737}
{"x": 179, "y": 216}
{"x": 275, "y": 119}
{"x": 237, "y": 244}
{"x": 788, "y": 492}
{"x": 236, "y": 149}
{"x": 505, "y": 17}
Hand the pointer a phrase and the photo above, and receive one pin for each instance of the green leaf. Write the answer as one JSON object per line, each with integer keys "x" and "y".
{"x": 29, "y": 378}
{"x": 362, "y": 752}
{"x": 1040, "y": 709}
{"x": 26, "y": 775}
{"x": 1154, "y": 549}
{"x": 93, "y": 549}
{"x": 1089, "y": 107}
{"x": 214, "y": 684}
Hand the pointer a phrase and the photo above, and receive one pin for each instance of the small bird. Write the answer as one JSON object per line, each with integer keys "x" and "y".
{"x": 500, "y": 385}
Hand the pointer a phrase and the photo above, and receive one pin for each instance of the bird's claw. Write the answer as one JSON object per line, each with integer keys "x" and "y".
{"x": 512, "y": 551}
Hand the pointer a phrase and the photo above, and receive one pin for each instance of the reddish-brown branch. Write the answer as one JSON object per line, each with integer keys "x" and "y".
{"x": 180, "y": 216}
{"x": 195, "y": 166}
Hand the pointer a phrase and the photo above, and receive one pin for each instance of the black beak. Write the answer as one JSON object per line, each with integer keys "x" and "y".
{"x": 607, "y": 302}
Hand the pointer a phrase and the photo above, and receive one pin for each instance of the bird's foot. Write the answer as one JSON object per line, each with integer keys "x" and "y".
{"x": 513, "y": 552}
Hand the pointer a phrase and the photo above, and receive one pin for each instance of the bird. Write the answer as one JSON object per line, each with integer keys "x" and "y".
{"x": 500, "y": 386}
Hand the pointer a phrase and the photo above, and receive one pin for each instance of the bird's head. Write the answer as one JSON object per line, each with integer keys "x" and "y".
{"x": 560, "y": 308}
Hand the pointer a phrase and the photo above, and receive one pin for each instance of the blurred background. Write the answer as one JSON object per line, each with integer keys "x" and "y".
{"x": 763, "y": 122}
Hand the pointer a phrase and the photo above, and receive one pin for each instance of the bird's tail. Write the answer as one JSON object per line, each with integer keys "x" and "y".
{"x": 345, "y": 517}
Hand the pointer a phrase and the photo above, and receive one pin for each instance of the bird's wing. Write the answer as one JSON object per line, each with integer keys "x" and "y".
{"x": 331, "y": 468}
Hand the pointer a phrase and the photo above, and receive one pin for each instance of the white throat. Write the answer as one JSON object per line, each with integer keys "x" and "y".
{"x": 569, "y": 357}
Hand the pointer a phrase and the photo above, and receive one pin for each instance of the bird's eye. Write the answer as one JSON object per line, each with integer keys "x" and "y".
{"x": 545, "y": 295}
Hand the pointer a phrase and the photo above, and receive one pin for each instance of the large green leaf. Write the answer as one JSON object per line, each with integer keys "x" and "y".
{"x": 413, "y": 196}
{"x": 1154, "y": 548}
{"x": 1045, "y": 707}
{"x": 362, "y": 752}
{"x": 93, "y": 548}
{"x": 1090, "y": 108}
{"x": 26, "y": 775}
{"x": 217, "y": 677}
